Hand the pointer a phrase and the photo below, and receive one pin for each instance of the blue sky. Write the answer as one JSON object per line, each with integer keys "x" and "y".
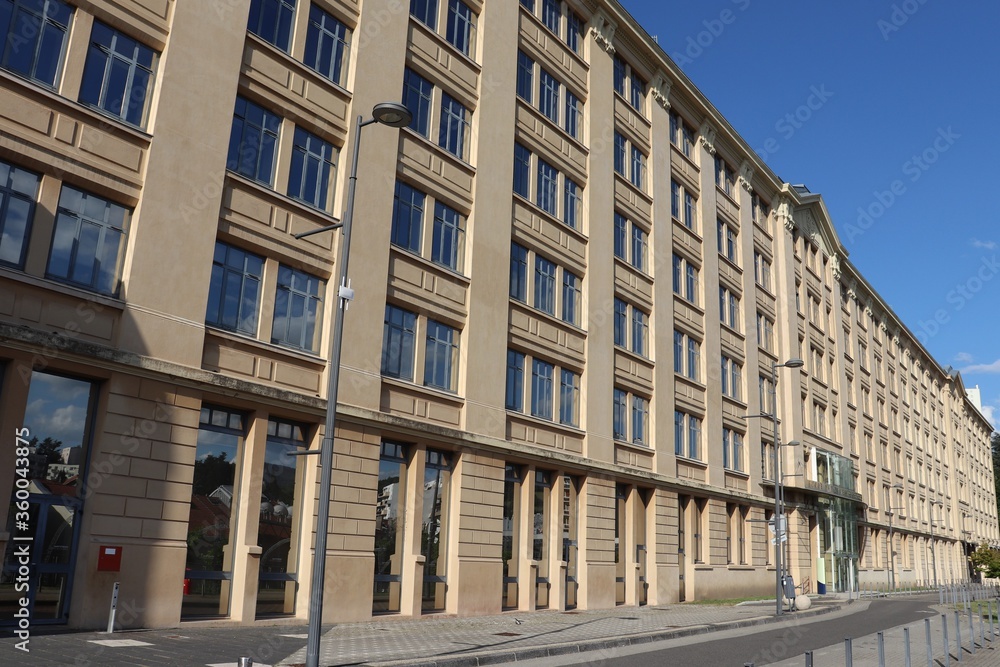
{"x": 901, "y": 140}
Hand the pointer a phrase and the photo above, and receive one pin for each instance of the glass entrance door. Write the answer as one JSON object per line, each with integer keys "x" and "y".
{"x": 38, "y": 563}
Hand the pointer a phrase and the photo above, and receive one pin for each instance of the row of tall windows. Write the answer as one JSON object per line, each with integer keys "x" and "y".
{"x": 451, "y": 125}
{"x": 550, "y": 392}
{"x": 327, "y": 38}
{"x": 551, "y": 97}
{"x": 544, "y": 285}
{"x": 552, "y": 191}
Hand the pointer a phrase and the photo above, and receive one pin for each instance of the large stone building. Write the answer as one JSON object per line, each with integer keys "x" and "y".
{"x": 543, "y": 403}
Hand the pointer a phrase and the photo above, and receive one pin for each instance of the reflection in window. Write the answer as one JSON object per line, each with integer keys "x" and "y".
{"x": 278, "y": 527}
{"x": 34, "y": 38}
{"x": 210, "y": 531}
{"x": 510, "y": 547}
{"x": 87, "y": 241}
{"x": 118, "y": 76}
{"x": 18, "y": 192}
{"x": 298, "y": 307}
{"x": 541, "y": 517}
{"x": 389, "y": 527}
{"x": 434, "y": 528}
{"x": 234, "y": 294}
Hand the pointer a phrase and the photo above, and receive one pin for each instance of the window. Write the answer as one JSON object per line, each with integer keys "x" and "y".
{"x": 685, "y": 279}
{"x": 548, "y": 179}
{"x": 551, "y": 15}
{"x": 417, "y": 98}
{"x": 637, "y": 173}
{"x": 621, "y": 234}
{"x": 569, "y": 398}
{"x": 729, "y": 308}
{"x": 272, "y": 20}
{"x": 728, "y": 246}
{"x": 253, "y": 141}
{"x": 548, "y": 96}
{"x": 18, "y": 192}
{"x": 407, "y": 217}
{"x": 683, "y": 205}
{"x": 448, "y": 243}
{"x": 440, "y": 356}
{"x": 732, "y": 378}
{"x": 574, "y": 29}
{"x": 732, "y": 450}
{"x": 434, "y": 528}
{"x": 765, "y": 332}
{"x": 87, "y": 242}
{"x": 398, "y": 343}
{"x": 571, "y": 298}
{"x": 298, "y": 308}
{"x": 327, "y": 45}
{"x": 572, "y": 203}
{"x": 234, "y": 293}
{"x": 640, "y": 332}
{"x": 525, "y": 71}
{"x": 687, "y": 435}
{"x": 545, "y": 285}
{"x": 762, "y": 271}
{"x": 515, "y": 381}
{"x": 542, "y": 374}
{"x": 522, "y": 170}
{"x": 390, "y": 522}
{"x": 687, "y": 355}
{"x": 639, "y": 247}
{"x": 573, "y": 117}
{"x": 629, "y": 84}
{"x": 760, "y": 212}
{"x": 681, "y": 134}
{"x": 454, "y": 130}
{"x": 519, "y": 272}
{"x": 461, "y": 26}
{"x": 640, "y": 420}
{"x": 34, "y": 38}
{"x": 425, "y": 11}
{"x": 620, "y": 152}
{"x": 621, "y": 323}
{"x": 620, "y": 414}
{"x": 725, "y": 177}
{"x": 118, "y": 75}
{"x": 312, "y": 169}
{"x": 766, "y": 390}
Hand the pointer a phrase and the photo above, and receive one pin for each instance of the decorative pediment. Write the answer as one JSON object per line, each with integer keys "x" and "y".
{"x": 835, "y": 266}
{"x": 746, "y": 175}
{"x": 706, "y": 136}
{"x": 602, "y": 29}
{"x": 660, "y": 90}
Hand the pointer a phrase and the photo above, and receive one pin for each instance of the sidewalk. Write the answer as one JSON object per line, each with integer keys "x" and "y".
{"x": 865, "y": 649}
{"x": 430, "y": 640}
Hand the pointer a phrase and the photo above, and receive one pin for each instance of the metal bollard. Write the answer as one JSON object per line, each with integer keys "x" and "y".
{"x": 993, "y": 635}
{"x": 972, "y": 633}
{"x": 906, "y": 647}
{"x": 927, "y": 635}
{"x": 947, "y": 644}
{"x": 848, "y": 653}
{"x": 881, "y": 650}
{"x": 982, "y": 629}
{"x": 245, "y": 662}
{"x": 809, "y": 659}
{"x": 958, "y": 635}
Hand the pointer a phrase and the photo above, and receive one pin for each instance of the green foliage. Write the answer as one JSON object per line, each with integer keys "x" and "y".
{"x": 986, "y": 560}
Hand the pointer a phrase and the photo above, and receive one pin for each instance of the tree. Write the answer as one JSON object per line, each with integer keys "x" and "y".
{"x": 986, "y": 560}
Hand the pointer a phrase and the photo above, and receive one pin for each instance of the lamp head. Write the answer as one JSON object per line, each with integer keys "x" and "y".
{"x": 392, "y": 114}
{"x": 793, "y": 363}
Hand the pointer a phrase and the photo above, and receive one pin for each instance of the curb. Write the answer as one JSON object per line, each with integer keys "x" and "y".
{"x": 530, "y": 653}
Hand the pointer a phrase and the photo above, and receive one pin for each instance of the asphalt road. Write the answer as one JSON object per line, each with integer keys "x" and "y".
{"x": 760, "y": 645}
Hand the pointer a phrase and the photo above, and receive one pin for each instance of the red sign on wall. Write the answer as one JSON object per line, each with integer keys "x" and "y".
{"x": 109, "y": 559}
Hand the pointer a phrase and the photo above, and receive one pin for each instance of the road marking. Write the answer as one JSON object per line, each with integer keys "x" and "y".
{"x": 119, "y": 643}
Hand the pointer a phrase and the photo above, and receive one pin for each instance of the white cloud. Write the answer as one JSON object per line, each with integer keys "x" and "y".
{"x": 988, "y": 412}
{"x": 983, "y": 368}
{"x": 988, "y": 245}
{"x": 963, "y": 358}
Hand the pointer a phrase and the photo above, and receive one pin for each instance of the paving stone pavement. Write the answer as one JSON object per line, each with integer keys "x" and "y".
{"x": 429, "y": 640}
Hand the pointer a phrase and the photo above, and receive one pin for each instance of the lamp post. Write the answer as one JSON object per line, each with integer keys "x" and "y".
{"x": 933, "y": 550}
{"x": 892, "y": 545}
{"x": 393, "y": 115}
{"x": 779, "y": 524}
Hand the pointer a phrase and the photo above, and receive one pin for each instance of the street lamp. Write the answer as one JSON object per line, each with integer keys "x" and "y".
{"x": 779, "y": 524}
{"x": 933, "y": 550}
{"x": 393, "y": 115}
{"x": 892, "y": 545}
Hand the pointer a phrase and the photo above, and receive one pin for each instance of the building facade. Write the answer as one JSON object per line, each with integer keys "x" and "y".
{"x": 543, "y": 404}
